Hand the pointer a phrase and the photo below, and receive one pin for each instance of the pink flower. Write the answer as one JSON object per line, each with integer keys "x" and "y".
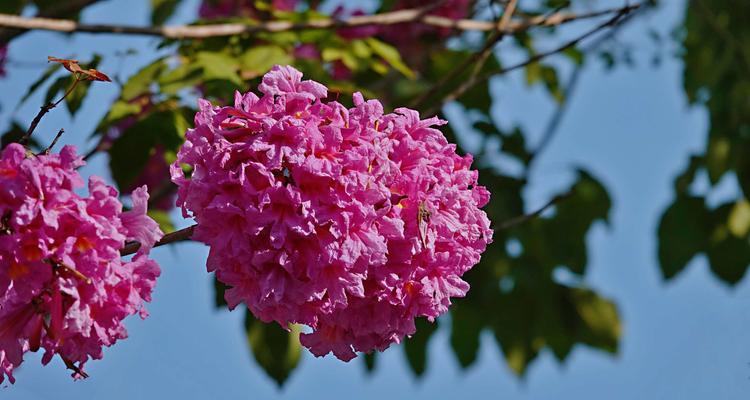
{"x": 63, "y": 285}
{"x": 351, "y": 221}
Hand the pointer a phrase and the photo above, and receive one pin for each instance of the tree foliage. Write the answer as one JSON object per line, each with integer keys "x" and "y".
{"x": 515, "y": 294}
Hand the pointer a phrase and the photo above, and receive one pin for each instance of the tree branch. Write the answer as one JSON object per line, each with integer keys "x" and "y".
{"x": 478, "y": 58}
{"x": 61, "y": 9}
{"x": 172, "y": 237}
{"x": 460, "y": 90}
{"x": 230, "y": 29}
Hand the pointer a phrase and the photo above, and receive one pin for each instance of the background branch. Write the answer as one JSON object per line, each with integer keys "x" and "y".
{"x": 230, "y": 29}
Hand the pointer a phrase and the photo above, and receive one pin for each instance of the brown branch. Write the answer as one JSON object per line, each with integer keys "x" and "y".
{"x": 463, "y": 88}
{"x": 172, "y": 237}
{"x": 54, "y": 142}
{"x": 61, "y": 9}
{"x": 513, "y": 222}
{"x": 45, "y": 109}
{"x": 230, "y": 29}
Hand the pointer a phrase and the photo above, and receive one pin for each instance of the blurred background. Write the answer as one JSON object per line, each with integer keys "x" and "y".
{"x": 631, "y": 285}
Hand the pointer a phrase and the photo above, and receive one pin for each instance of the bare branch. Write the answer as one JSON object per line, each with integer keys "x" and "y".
{"x": 54, "y": 142}
{"x": 231, "y": 29}
{"x": 478, "y": 58}
{"x": 61, "y": 9}
{"x": 172, "y": 237}
{"x": 463, "y": 88}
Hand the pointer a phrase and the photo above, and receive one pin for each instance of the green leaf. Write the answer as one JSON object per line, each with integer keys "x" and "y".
{"x": 14, "y": 134}
{"x": 274, "y": 349}
{"x": 600, "y": 319}
{"x": 58, "y": 85}
{"x": 219, "y": 66}
{"x": 219, "y": 290}
{"x": 415, "y": 347}
{"x": 390, "y": 55}
{"x": 163, "y": 219}
{"x": 161, "y": 10}
{"x": 132, "y": 150}
{"x": 37, "y": 83}
{"x": 140, "y": 83}
{"x": 466, "y": 326}
{"x": 683, "y": 233}
{"x": 257, "y": 60}
{"x": 370, "y": 359}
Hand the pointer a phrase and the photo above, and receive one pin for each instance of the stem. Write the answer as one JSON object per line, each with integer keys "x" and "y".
{"x": 45, "y": 109}
{"x": 54, "y": 142}
{"x": 172, "y": 237}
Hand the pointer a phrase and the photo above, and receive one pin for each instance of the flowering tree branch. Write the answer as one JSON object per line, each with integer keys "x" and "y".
{"x": 230, "y": 29}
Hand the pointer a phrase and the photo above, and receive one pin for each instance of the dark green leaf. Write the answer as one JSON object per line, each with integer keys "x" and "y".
{"x": 161, "y": 10}
{"x": 683, "y": 233}
{"x": 276, "y": 350}
{"x": 416, "y": 346}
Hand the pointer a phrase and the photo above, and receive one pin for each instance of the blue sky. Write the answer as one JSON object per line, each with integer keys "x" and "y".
{"x": 632, "y": 128}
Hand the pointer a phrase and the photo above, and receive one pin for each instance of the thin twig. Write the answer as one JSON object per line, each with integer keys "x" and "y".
{"x": 478, "y": 58}
{"x": 554, "y": 122}
{"x": 537, "y": 57}
{"x": 54, "y": 142}
{"x": 176, "y": 236}
{"x": 231, "y": 29}
{"x": 45, "y": 109}
{"x": 526, "y": 217}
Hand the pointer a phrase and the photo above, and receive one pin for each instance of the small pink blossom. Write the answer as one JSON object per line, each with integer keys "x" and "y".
{"x": 63, "y": 286}
{"x": 348, "y": 220}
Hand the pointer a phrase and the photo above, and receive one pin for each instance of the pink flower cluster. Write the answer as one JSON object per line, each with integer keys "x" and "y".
{"x": 348, "y": 220}
{"x": 63, "y": 285}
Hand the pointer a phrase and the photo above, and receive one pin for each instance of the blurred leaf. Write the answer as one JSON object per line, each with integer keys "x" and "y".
{"x": 161, "y": 10}
{"x": 370, "y": 360}
{"x": 163, "y": 219}
{"x": 466, "y": 327}
{"x": 219, "y": 289}
{"x": 132, "y": 150}
{"x": 390, "y": 55}
{"x": 34, "y": 86}
{"x": 683, "y": 233}
{"x": 140, "y": 83}
{"x": 276, "y": 350}
{"x": 14, "y": 134}
{"x": 258, "y": 60}
{"x": 219, "y": 66}
{"x": 415, "y": 347}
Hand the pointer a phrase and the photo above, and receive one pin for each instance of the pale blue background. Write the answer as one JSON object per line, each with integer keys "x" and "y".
{"x": 632, "y": 128}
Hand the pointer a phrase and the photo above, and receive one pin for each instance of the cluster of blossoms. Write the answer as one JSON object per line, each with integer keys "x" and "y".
{"x": 63, "y": 285}
{"x": 350, "y": 221}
